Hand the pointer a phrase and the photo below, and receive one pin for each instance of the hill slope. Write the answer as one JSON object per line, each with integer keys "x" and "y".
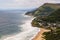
{"x": 45, "y": 9}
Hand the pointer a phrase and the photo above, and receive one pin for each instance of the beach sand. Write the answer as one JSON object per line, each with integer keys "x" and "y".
{"x": 39, "y": 35}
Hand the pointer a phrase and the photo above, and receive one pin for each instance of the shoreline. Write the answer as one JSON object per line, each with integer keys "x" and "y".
{"x": 35, "y": 35}
{"x": 18, "y": 36}
{"x": 39, "y": 35}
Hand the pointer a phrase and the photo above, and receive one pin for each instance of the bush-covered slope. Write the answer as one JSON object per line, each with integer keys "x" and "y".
{"x": 48, "y": 13}
{"x": 48, "y": 16}
{"x": 45, "y": 9}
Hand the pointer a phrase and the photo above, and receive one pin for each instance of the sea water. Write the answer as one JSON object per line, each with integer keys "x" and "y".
{"x": 15, "y": 25}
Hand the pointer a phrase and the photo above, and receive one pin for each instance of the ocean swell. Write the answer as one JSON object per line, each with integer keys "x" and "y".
{"x": 28, "y": 32}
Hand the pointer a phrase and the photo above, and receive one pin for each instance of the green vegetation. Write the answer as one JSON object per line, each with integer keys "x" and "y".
{"x": 51, "y": 36}
{"x": 35, "y": 23}
{"x": 49, "y": 16}
{"x": 43, "y": 10}
{"x": 47, "y": 8}
{"x": 53, "y": 17}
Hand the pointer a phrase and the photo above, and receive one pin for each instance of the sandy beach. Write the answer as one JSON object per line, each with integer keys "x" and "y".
{"x": 39, "y": 35}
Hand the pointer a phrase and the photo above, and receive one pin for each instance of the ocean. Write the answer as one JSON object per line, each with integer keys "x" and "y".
{"x": 15, "y": 25}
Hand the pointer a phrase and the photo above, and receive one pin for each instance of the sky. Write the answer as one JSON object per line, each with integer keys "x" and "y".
{"x": 21, "y": 4}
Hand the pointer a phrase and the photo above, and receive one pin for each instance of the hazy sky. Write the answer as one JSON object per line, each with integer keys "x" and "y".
{"x": 9, "y": 4}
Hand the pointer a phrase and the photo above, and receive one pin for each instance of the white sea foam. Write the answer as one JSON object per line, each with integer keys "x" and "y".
{"x": 28, "y": 32}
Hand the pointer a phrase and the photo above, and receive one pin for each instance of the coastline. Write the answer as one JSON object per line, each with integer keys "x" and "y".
{"x": 23, "y": 34}
{"x": 35, "y": 35}
{"x": 39, "y": 35}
